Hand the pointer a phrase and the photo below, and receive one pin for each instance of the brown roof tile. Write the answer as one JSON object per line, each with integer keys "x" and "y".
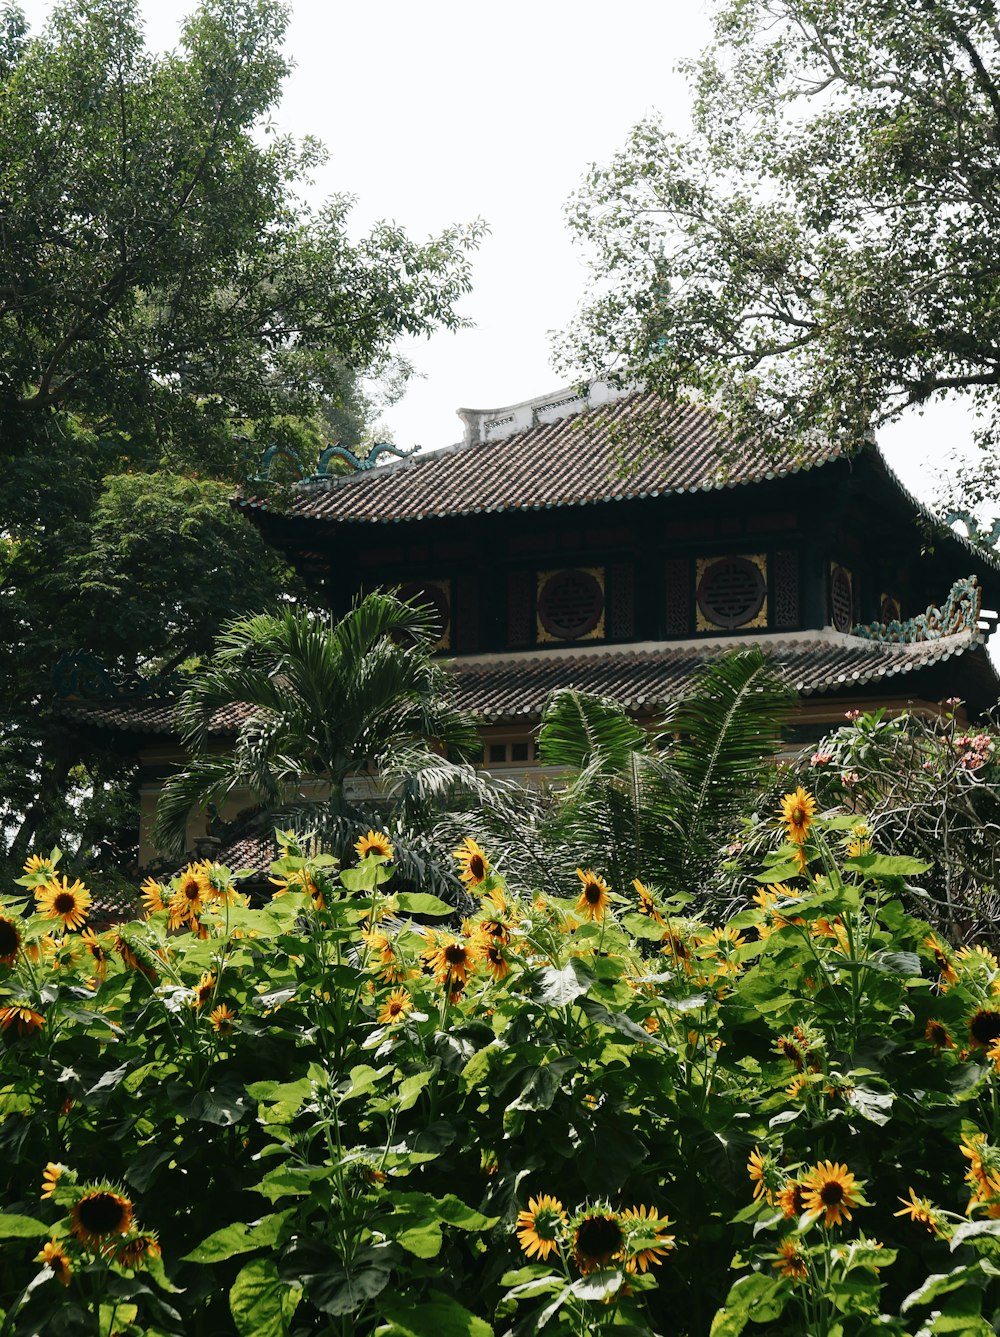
{"x": 150, "y": 717}
{"x": 569, "y": 462}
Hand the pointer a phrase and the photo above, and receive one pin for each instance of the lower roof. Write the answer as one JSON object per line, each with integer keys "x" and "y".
{"x": 513, "y": 687}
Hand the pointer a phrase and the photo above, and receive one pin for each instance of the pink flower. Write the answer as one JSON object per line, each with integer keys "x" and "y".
{"x": 821, "y": 759}
{"x": 850, "y": 778}
{"x": 853, "y": 716}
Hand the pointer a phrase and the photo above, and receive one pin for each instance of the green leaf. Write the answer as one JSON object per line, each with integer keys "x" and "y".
{"x": 340, "y": 1292}
{"x": 13, "y": 1227}
{"x": 422, "y": 903}
{"x": 559, "y": 987}
{"x": 599, "y": 1285}
{"x": 423, "y": 1240}
{"x": 783, "y": 872}
{"x": 886, "y": 865}
{"x": 941, "y": 1283}
{"x": 238, "y": 1238}
{"x": 968, "y": 1230}
{"x": 438, "y": 1317}
{"x": 262, "y": 1304}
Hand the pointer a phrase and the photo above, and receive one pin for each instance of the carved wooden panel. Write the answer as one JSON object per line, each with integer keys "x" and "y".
{"x": 465, "y": 614}
{"x": 786, "y": 590}
{"x": 732, "y": 592}
{"x": 841, "y": 597}
{"x": 520, "y": 607}
{"x": 678, "y": 596}
{"x": 571, "y": 604}
{"x": 621, "y": 601}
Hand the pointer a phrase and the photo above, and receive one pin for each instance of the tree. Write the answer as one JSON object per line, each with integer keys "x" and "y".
{"x": 169, "y": 305}
{"x": 318, "y": 700}
{"x": 823, "y": 252}
{"x": 658, "y": 806}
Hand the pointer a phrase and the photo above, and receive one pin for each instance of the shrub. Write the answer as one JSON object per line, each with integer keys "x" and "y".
{"x": 329, "y": 1115}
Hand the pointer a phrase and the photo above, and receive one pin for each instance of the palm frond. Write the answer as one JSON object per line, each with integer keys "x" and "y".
{"x": 580, "y": 730}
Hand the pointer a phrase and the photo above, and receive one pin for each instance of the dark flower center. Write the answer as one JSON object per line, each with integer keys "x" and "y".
{"x": 937, "y": 1033}
{"x": 454, "y": 954}
{"x": 9, "y": 938}
{"x": 831, "y": 1194}
{"x": 476, "y": 867}
{"x": 798, "y": 816}
{"x": 191, "y": 890}
{"x": 64, "y": 903}
{"x": 592, "y": 893}
{"x": 101, "y": 1214}
{"x": 985, "y": 1027}
{"x": 599, "y": 1237}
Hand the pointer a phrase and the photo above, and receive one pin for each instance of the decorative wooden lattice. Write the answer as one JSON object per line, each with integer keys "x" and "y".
{"x": 465, "y": 614}
{"x": 570, "y": 604}
{"x": 841, "y": 598}
{"x": 621, "y": 598}
{"x": 786, "y": 590}
{"x": 678, "y": 597}
{"x": 731, "y": 592}
{"x": 520, "y": 607}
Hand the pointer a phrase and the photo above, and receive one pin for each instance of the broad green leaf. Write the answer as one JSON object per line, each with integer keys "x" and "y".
{"x": 941, "y": 1283}
{"x": 886, "y": 865}
{"x": 422, "y": 903}
{"x": 13, "y": 1227}
{"x": 340, "y": 1292}
{"x": 559, "y": 987}
{"x": 423, "y": 1240}
{"x": 439, "y": 1316}
{"x": 599, "y": 1285}
{"x": 238, "y": 1238}
{"x": 261, "y": 1303}
{"x": 968, "y": 1230}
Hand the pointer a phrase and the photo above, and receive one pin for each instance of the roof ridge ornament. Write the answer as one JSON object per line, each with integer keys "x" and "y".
{"x": 360, "y": 464}
{"x": 959, "y": 612}
{"x": 983, "y": 538}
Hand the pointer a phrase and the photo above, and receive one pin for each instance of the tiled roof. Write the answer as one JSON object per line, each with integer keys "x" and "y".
{"x": 567, "y": 462}
{"x": 149, "y": 717}
{"x": 515, "y": 687}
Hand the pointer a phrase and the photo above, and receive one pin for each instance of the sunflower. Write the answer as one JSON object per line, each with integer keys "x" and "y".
{"x": 27, "y": 1019}
{"x": 984, "y": 1027}
{"x": 937, "y": 1034}
{"x": 151, "y": 893}
{"x": 495, "y": 959}
{"x": 830, "y": 1191}
{"x": 791, "y": 1199}
{"x": 597, "y": 1239}
{"x": 761, "y": 1169}
{"x": 98, "y": 953}
{"x": 921, "y": 1212}
{"x": 539, "y": 1227}
{"x": 647, "y": 1226}
{"x": 191, "y": 889}
{"x": 134, "y": 1252}
{"x": 472, "y": 862}
{"x": 375, "y": 842}
{"x": 222, "y": 1018}
{"x": 10, "y": 941}
{"x": 50, "y": 1177}
{"x": 797, "y": 812}
{"x": 65, "y": 902}
{"x": 99, "y": 1214}
{"x": 790, "y": 1261}
{"x": 39, "y": 863}
{"x": 300, "y": 880}
{"x": 54, "y": 1257}
{"x": 452, "y": 960}
{"x": 948, "y": 972}
{"x": 595, "y": 896}
{"x": 647, "y": 906}
{"x": 127, "y": 953}
{"x": 395, "y": 1008}
{"x": 675, "y": 947}
{"x": 204, "y": 989}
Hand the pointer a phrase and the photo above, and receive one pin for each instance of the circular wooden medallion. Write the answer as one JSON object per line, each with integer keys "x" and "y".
{"x": 731, "y": 592}
{"x": 570, "y": 604}
{"x": 841, "y": 599}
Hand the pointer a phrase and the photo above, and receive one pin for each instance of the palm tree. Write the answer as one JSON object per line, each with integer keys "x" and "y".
{"x": 659, "y": 806}
{"x": 315, "y": 700}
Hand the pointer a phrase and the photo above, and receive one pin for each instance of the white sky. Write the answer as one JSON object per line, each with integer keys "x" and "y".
{"x": 443, "y": 111}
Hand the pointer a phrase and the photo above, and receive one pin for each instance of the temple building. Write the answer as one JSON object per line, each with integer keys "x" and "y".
{"x": 609, "y": 542}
